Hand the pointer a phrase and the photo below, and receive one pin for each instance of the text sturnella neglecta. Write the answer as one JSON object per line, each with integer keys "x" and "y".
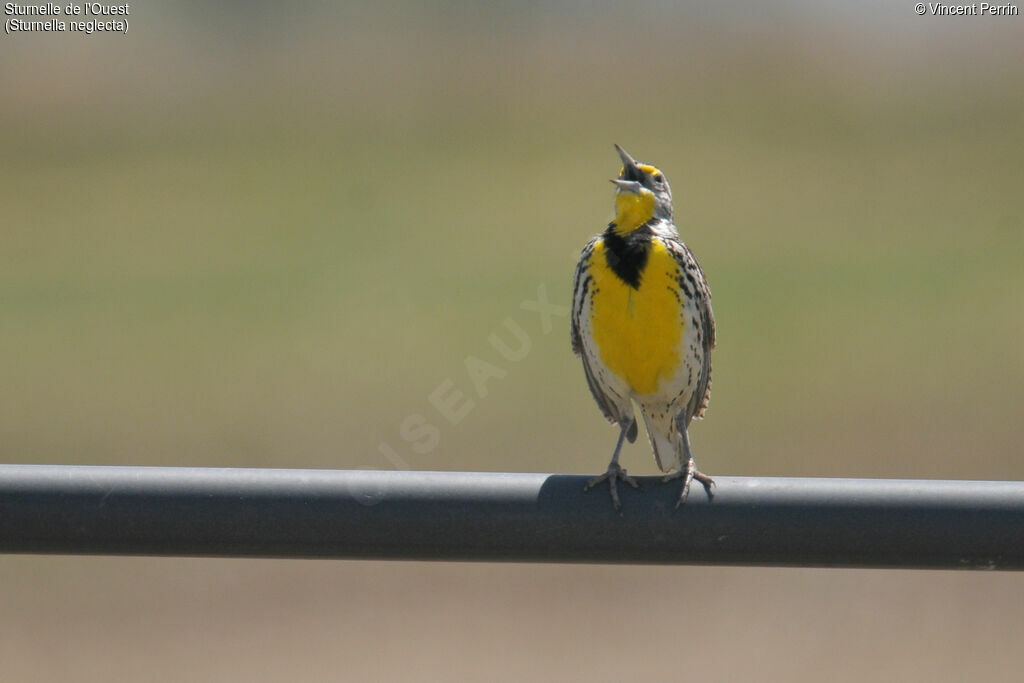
{"x": 642, "y": 323}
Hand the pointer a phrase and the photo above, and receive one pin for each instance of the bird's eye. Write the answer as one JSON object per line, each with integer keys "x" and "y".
{"x": 659, "y": 179}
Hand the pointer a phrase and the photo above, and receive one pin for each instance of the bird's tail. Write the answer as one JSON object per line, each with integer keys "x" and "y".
{"x": 665, "y": 452}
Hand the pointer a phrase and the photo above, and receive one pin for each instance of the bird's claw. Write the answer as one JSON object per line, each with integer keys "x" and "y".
{"x": 614, "y": 473}
{"x": 688, "y": 474}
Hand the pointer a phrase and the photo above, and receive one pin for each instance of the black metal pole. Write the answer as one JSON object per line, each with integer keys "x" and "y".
{"x": 508, "y": 517}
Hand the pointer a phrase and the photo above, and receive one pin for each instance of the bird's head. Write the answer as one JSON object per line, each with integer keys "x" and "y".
{"x": 642, "y": 194}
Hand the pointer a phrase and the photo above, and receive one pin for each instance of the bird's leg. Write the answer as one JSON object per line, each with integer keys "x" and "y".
{"x": 688, "y": 472}
{"x": 615, "y": 471}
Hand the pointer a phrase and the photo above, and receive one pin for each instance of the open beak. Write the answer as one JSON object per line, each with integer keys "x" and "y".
{"x": 627, "y": 185}
{"x": 629, "y": 168}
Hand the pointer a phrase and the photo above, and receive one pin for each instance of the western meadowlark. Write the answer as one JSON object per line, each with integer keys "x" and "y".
{"x": 643, "y": 326}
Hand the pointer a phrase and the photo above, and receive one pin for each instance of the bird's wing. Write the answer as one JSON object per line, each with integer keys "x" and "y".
{"x": 580, "y": 287}
{"x": 693, "y": 276}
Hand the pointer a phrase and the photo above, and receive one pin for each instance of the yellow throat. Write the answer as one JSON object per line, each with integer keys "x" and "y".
{"x": 633, "y": 210}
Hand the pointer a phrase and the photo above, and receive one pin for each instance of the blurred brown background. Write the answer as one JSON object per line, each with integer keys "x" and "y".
{"x": 246, "y": 236}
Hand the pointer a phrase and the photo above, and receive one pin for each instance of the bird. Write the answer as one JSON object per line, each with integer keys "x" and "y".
{"x": 643, "y": 326}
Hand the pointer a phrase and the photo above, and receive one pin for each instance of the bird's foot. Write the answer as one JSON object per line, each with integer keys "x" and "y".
{"x": 614, "y": 473}
{"x": 688, "y": 474}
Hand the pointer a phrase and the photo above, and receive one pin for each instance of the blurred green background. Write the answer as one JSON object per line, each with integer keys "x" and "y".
{"x": 240, "y": 235}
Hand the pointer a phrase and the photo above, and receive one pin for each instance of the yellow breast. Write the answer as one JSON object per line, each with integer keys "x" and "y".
{"x": 637, "y": 331}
